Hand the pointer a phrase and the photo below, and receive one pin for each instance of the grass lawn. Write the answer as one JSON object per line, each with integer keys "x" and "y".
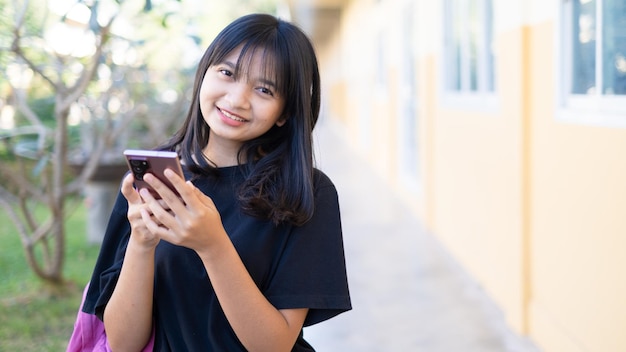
{"x": 31, "y": 317}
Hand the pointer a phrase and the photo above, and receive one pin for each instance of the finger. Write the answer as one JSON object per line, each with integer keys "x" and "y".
{"x": 145, "y": 216}
{"x": 184, "y": 188}
{"x": 160, "y": 215}
{"x": 170, "y": 204}
{"x": 148, "y": 217}
{"x": 159, "y": 186}
{"x": 128, "y": 190}
{"x": 163, "y": 204}
{"x": 155, "y": 227}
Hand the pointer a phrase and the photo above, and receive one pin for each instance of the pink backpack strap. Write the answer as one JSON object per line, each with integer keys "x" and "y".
{"x": 89, "y": 334}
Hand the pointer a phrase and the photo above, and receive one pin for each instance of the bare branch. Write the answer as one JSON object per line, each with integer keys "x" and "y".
{"x": 21, "y": 15}
{"x": 24, "y": 108}
{"x": 6, "y": 200}
{"x": 17, "y": 49}
{"x": 41, "y": 232}
{"x": 87, "y": 76}
{"x": 28, "y": 216}
{"x": 22, "y": 184}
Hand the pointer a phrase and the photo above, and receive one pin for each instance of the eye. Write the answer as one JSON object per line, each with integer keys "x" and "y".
{"x": 225, "y": 72}
{"x": 265, "y": 90}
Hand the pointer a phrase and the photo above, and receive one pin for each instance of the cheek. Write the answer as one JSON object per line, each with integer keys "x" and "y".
{"x": 202, "y": 93}
{"x": 202, "y": 103}
{"x": 275, "y": 117}
{"x": 279, "y": 110}
{"x": 205, "y": 98}
{"x": 207, "y": 86}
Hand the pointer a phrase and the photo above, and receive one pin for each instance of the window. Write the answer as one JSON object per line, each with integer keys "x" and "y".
{"x": 469, "y": 59}
{"x": 594, "y": 53}
{"x": 598, "y": 47}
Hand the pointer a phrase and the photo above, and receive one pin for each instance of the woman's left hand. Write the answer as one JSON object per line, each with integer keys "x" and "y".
{"x": 192, "y": 220}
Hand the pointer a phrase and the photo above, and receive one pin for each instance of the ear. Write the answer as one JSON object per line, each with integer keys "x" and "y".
{"x": 281, "y": 121}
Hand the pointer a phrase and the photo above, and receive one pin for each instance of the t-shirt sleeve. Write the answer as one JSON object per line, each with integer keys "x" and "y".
{"x": 109, "y": 262}
{"x": 312, "y": 269}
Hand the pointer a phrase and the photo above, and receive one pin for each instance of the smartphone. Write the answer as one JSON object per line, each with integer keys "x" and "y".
{"x": 141, "y": 162}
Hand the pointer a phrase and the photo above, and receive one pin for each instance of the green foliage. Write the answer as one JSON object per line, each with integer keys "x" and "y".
{"x": 43, "y": 106}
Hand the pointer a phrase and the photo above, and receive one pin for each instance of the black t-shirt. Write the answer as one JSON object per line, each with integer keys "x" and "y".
{"x": 293, "y": 266}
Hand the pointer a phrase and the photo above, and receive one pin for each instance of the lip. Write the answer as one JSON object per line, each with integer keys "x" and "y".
{"x": 229, "y": 118}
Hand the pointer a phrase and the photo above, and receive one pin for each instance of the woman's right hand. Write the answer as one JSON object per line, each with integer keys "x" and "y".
{"x": 128, "y": 314}
{"x": 136, "y": 206}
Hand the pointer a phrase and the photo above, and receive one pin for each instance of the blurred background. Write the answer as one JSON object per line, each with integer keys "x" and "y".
{"x": 488, "y": 136}
{"x": 501, "y": 124}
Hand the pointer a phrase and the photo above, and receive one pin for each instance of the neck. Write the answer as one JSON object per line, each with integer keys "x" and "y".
{"x": 220, "y": 154}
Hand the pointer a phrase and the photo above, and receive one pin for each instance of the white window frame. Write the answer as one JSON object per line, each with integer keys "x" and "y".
{"x": 408, "y": 141}
{"x": 595, "y": 109}
{"x": 485, "y": 96}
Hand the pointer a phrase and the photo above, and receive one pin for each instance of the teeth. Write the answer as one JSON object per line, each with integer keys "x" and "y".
{"x": 232, "y": 117}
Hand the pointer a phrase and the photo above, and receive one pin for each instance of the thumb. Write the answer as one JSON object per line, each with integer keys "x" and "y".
{"x": 129, "y": 192}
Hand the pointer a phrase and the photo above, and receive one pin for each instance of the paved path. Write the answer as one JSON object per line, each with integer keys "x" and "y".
{"x": 407, "y": 293}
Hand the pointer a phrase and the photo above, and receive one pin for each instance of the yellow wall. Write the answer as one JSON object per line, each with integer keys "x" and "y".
{"x": 531, "y": 206}
{"x": 478, "y": 170}
{"x": 578, "y": 227}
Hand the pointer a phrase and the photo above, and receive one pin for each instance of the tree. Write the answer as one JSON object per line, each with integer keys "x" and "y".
{"x": 105, "y": 85}
{"x": 113, "y": 95}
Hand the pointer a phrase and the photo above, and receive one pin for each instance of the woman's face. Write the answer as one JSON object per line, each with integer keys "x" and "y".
{"x": 243, "y": 109}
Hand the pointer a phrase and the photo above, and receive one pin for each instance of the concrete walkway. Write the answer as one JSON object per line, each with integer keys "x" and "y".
{"x": 407, "y": 293}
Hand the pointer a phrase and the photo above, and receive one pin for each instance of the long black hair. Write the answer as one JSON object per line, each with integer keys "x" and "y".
{"x": 279, "y": 164}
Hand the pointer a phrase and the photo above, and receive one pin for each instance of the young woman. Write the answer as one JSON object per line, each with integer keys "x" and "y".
{"x": 251, "y": 249}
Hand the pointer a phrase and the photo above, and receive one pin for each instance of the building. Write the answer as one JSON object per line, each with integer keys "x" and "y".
{"x": 503, "y": 124}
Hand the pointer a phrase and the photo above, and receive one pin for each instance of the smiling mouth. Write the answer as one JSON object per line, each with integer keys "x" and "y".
{"x": 231, "y": 116}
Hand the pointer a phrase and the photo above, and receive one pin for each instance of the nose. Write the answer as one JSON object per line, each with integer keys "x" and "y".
{"x": 238, "y": 95}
